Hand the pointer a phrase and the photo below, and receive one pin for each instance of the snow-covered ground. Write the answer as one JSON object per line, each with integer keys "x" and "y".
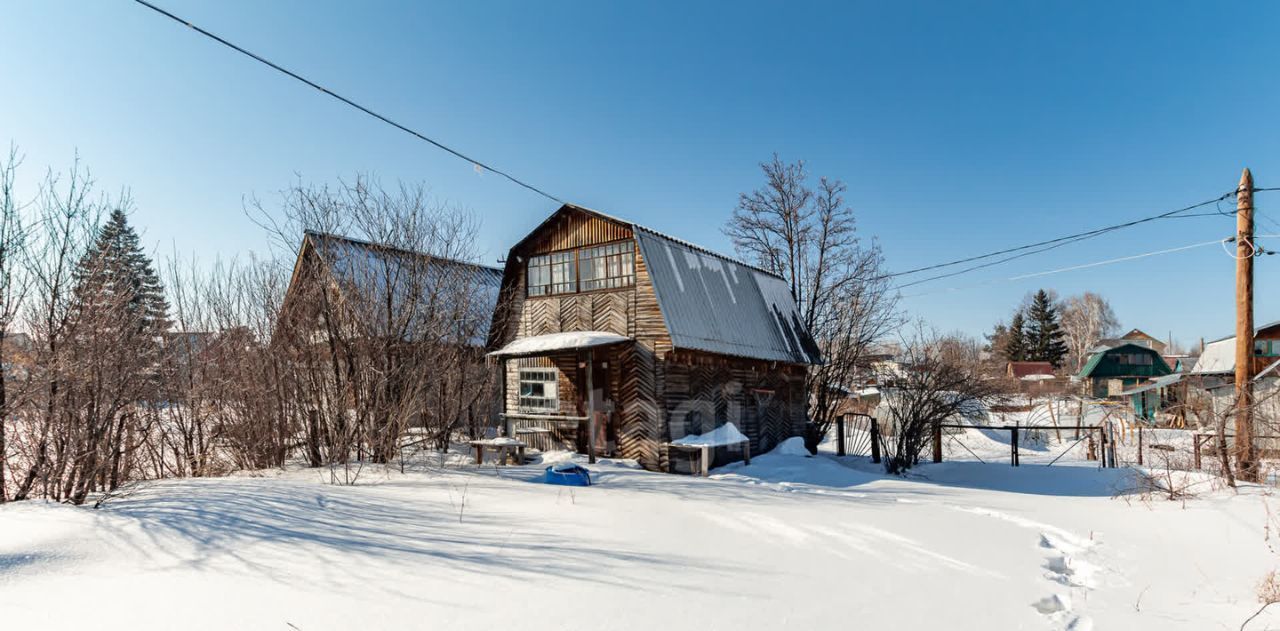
{"x": 787, "y": 542}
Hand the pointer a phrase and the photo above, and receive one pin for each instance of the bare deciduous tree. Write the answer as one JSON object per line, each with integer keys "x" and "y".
{"x": 940, "y": 382}
{"x": 809, "y": 237}
{"x": 1086, "y": 319}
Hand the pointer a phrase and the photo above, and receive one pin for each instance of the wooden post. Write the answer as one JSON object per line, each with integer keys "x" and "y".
{"x": 875, "y": 441}
{"x": 590, "y": 407}
{"x": 1245, "y": 250}
{"x": 840, "y": 435}
{"x": 1195, "y": 441}
{"x": 1102, "y": 445}
{"x": 506, "y": 422}
{"x": 937, "y": 441}
{"x": 1139, "y": 445}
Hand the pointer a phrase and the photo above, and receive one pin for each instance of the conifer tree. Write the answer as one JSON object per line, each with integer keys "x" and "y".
{"x": 117, "y": 286}
{"x": 1015, "y": 345}
{"x": 1044, "y": 337}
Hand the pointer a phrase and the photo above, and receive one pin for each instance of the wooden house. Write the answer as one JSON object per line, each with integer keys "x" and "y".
{"x": 387, "y": 314}
{"x": 615, "y": 339}
{"x": 1110, "y": 371}
{"x": 1029, "y": 371}
{"x": 1217, "y": 362}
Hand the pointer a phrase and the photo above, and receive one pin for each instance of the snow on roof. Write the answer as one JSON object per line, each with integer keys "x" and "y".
{"x": 1218, "y": 357}
{"x": 715, "y": 304}
{"x": 1023, "y": 370}
{"x": 374, "y": 274}
{"x": 1161, "y": 382}
{"x": 726, "y": 434}
{"x": 553, "y": 342}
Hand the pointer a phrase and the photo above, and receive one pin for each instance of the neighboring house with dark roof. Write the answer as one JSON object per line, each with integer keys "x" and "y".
{"x": 390, "y": 292}
{"x": 353, "y": 298}
{"x": 1030, "y": 371}
{"x": 618, "y": 338}
{"x": 1111, "y": 371}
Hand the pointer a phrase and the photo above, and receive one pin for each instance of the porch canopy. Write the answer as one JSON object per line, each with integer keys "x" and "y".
{"x": 558, "y": 342}
{"x": 1162, "y": 382}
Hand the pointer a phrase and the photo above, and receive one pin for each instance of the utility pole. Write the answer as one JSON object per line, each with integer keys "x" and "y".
{"x": 1246, "y": 465}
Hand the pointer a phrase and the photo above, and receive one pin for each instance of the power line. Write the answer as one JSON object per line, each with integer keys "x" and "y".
{"x": 1058, "y": 242}
{"x": 1073, "y": 268}
{"x": 346, "y": 100}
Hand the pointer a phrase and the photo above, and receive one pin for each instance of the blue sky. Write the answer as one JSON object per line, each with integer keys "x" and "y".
{"x": 959, "y": 127}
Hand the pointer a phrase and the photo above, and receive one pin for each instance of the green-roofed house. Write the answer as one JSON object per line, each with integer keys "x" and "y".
{"x": 1111, "y": 371}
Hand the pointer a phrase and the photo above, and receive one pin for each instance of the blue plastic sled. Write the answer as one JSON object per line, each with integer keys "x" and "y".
{"x": 571, "y": 475}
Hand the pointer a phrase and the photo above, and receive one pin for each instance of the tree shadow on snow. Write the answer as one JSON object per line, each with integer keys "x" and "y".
{"x": 858, "y": 479}
{"x": 266, "y": 527}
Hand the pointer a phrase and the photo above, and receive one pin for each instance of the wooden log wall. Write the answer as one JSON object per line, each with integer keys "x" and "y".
{"x": 765, "y": 401}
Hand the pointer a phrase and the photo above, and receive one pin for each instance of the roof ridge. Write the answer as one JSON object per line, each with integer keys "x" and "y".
{"x": 688, "y": 244}
{"x": 363, "y": 242}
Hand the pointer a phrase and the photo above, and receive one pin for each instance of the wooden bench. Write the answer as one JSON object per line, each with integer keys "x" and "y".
{"x": 505, "y": 447}
{"x": 704, "y": 454}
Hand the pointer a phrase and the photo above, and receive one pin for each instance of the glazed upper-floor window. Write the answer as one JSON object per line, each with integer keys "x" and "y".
{"x": 1134, "y": 359}
{"x": 608, "y": 266}
{"x": 553, "y": 274}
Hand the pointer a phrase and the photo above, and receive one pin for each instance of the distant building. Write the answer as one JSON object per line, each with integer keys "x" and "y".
{"x": 1135, "y": 336}
{"x": 1110, "y": 371}
{"x": 1218, "y": 361}
{"x": 1029, "y": 371}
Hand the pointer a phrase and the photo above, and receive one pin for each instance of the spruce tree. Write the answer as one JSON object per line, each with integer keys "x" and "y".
{"x": 1015, "y": 345}
{"x": 117, "y": 286}
{"x": 1044, "y": 333}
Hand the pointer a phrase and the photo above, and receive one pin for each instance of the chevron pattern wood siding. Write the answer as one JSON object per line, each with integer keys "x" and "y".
{"x": 761, "y": 401}
{"x": 640, "y": 432}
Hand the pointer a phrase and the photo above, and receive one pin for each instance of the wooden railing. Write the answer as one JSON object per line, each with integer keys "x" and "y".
{"x": 544, "y": 432}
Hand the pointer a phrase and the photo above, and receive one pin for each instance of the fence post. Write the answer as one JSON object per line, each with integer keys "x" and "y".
{"x": 937, "y": 441}
{"x": 1091, "y": 451}
{"x": 1139, "y": 445}
{"x": 840, "y": 434}
{"x": 1013, "y": 444}
{"x": 1195, "y": 442}
{"x": 875, "y": 441}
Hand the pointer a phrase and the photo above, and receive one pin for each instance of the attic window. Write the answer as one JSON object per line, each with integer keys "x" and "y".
{"x": 1134, "y": 359}
{"x": 552, "y": 274}
{"x": 607, "y": 266}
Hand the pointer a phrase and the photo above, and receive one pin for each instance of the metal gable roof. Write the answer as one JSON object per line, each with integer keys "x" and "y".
{"x": 711, "y": 302}
{"x": 1095, "y": 363}
{"x": 407, "y": 279}
{"x": 715, "y": 304}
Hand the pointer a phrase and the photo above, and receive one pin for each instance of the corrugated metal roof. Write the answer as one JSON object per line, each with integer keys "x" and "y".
{"x": 1161, "y": 382}
{"x": 1096, "y": 363}
{"x": 408, "y": 279}
{"x": 715, "y": 304}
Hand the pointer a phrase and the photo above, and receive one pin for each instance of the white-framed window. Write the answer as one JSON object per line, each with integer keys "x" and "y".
{"x": 539, "y": 390}
{"x": 553, "y": 274}
{"x": 608, "y": 266}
